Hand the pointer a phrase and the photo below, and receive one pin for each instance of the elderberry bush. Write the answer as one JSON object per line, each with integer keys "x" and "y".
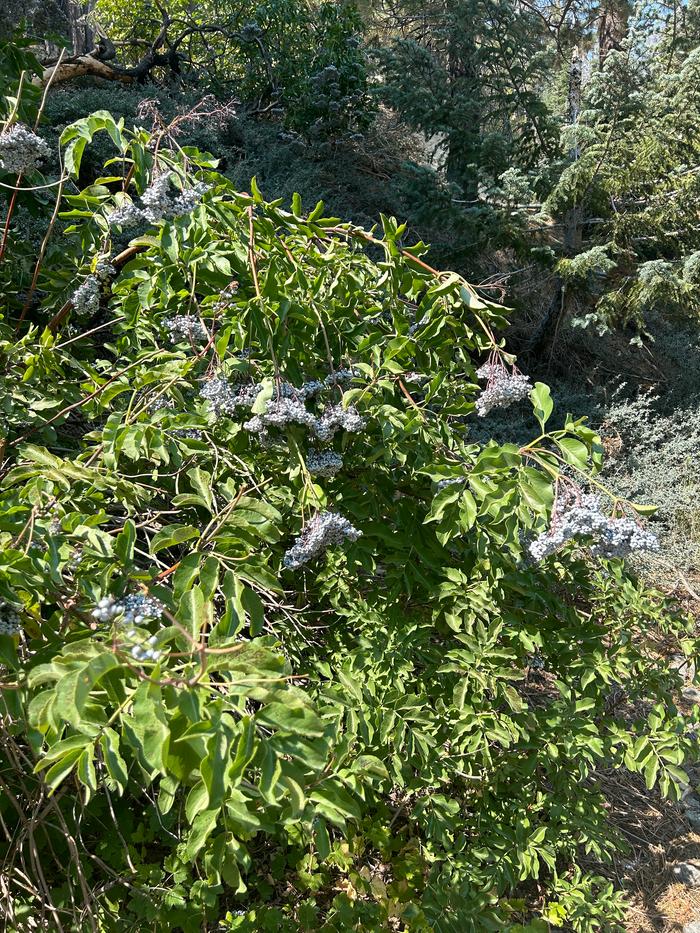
{"x": 317, "y": 654}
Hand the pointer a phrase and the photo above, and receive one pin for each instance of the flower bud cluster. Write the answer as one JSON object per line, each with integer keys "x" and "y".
{"x": 86, "y": 297}
{"x": 324, "y": 530}
{"x": 323, "y": 462}
{"x": 21, "y": 150}
{"x": 224, "y": 398}
{"x": 193, "y": 433}
{"x": 134, "y": 608}
{"x": 185, "y": 325}
{"x": 579, "y": 516}
{"x": 10, "y": 622}
{"x": 503, "y": 388}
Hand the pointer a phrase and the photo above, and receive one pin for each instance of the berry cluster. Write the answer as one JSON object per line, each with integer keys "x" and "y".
{"x": 160, "y": 201}
{"x": 10, "y": 622}
{"x": 335, "y": 417}
{"x": 86, "y": 297}
{"x": 323, "y": 462}
{"x": 503, "y": 387}
{"x": 324, "y": 530}
{"x": 224, "y": 398}
{"x": 225, "y": 297}
{"x": 577, "y": 515}
{"x": 104, "y": 270}
{"x": 125, "y": 216}
{"x": 185, "y": 325}
{"x": 143, "y": 649}
{"x": 21, "y": 150}
{"x": 134, "y": 608}
{"x": 279, "y": 413}
{"x": 452, "y": 481}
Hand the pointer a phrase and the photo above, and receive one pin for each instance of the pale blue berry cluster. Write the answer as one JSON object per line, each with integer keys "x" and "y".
{"x": 452, "y": 481}
{"x": 86, "y": 297}
{"x": 125, "y": 216}
{"x": 578, "y": 516}
{"x": 10, "y": 621}
{"x": 160, "y": 201}
{"x": 225, "y": 398}
{"x": 503, "y": 387}
{"x": 324, "y": 530}
{"x": 323, "y": 462}
{"x": 134, "y": 608}
{"x": 225, "y": 297}
{"x": 335, "y": 417}
{"x": 142, "y": 649}
{"x": 21, "y": 150}
{"x": 187, "y": 326}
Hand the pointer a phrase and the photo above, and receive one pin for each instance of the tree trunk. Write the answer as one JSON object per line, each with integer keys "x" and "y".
{"x": 572, "y": 221}
{"x": 81, "y": 35}
{"x": 464, "y": 136}
{"x": 612, "y": 27}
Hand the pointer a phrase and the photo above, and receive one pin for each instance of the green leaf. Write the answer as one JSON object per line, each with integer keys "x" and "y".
{"x": 542, "y": 402}
{"x": 124, "y": 544}
{"x": 172, "y": 535}
{"x": 291, "y": 717}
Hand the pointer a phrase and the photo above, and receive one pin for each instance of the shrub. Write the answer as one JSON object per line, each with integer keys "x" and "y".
{"x": 250, "y": 694}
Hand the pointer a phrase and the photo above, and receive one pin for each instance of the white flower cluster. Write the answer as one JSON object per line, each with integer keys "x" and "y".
{"x": 324, "y": 530}
{"x": 323, "y": 462}
{"x": 502, "y": 389}
{"x": 193, "y": 433}
{"x": 134, "y": 608}
{"x": 86, "y": 297}
{"x": 579, "y": 516}
{"x": 224, "y": 398}
{"x": 21, "y": 150}
{"x": 185, "y": 325}
{"x": 160, "y": 201}
{"x": 10, "y": 622}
